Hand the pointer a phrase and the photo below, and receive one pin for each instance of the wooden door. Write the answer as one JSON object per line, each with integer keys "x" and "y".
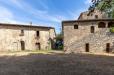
{"x": 108, "y": 47}
{"x": 22, "y": 45}
{"x": 87, "y": 47}
{"x": 38, "y": 47}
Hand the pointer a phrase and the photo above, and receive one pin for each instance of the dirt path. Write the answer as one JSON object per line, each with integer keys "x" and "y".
{"x": 57, "y": 64}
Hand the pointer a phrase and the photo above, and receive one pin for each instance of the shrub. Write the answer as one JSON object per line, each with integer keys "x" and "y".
{"x": 112, "y": 29}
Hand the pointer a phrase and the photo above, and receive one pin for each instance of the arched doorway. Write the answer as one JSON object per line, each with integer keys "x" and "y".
{"x": 101, "y": 25}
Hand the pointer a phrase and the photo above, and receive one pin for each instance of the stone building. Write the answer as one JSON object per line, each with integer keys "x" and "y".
{"x": 25, "y": 37}
{"x": 90, "y": 33}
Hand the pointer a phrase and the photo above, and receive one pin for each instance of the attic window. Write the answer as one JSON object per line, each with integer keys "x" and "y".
{"x": 75, "y": 26}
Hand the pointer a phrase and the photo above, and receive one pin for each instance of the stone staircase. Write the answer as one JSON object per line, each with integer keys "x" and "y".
{"x": 102, "y": 36}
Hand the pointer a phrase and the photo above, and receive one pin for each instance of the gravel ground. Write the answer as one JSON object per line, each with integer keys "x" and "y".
{"x": 57, "y": 64}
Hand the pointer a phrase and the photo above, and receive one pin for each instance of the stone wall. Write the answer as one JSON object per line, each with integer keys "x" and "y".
{"x": 76, "y": 39}
{"x": 91, "y": 15}
{"x": 10, "y": 38}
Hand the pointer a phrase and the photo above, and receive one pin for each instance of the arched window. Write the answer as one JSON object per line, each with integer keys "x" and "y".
{"x": 75, "y": 26}
{"x": 110, "y": 24}
{"x": 101, "y": 25}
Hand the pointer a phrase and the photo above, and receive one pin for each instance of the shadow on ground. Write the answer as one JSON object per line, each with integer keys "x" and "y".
{"x": 57, "y": 64}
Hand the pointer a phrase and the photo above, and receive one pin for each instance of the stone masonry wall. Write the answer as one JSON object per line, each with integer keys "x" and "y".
{"x": 75, "y": 39}
{"x": 10, "y": 39}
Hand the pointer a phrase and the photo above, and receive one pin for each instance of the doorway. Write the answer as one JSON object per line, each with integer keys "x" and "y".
{"x": 22, "y": 45}
{"x": 38, "y": 47}
{"x": 108, "y": 47}
{"x": 87, "y": 47}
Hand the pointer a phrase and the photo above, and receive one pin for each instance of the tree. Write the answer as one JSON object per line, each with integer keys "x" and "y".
{"x": 59, "y": 41}
{"x": 104, "y": 5}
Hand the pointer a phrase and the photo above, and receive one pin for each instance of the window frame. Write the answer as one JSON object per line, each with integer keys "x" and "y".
{"x": 76, "y": 26}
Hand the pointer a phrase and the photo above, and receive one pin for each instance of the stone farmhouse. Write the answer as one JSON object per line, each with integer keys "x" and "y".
{"x": 15, "y": 37}
{"x": 90, "y": 33}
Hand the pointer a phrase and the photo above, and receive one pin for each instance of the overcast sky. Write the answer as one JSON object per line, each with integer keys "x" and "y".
{"x": 41, "y": 12}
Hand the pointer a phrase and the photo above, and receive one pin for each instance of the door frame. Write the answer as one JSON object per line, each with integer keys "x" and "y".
{"x": 107, "y": 47}
{"x": 22, "y": 45}
{"x": 87, "y": 47}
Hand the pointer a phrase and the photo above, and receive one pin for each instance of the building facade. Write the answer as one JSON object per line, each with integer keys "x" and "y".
{"x": 89, "y": 33}
{"x": 15, "y": 37}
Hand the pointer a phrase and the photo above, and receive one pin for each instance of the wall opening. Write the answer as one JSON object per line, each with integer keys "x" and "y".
{"x": 96, "y": 16}
{"x": 101, "y": 25}
{"x": 75, "y": 26}
{"x": 38, "y": 46}
{"x": 87, "y": 47}
{"x": 37, "y": 33}
{"x": 22, "y": 45}
{"x": 108, "y": 47}
{"x": 92, "y": 29}
{"x": 22, "y": 33}
{"x": 110, "y": 24}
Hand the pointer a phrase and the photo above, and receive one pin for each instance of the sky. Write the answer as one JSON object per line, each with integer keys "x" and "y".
{"x": 41, "y": 12}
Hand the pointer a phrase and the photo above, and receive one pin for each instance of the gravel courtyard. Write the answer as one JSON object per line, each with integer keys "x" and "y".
{"x": 57, "y": 64}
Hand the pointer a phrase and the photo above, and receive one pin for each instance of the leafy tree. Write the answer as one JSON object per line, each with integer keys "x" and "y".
{"x": 59, "y": 41}
{"x": 104, "y": 5}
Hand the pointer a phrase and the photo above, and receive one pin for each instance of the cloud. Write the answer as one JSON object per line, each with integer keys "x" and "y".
{"x": 37, "y": 13}
{"x": 88, "y": 2}
{"x": 6, "y": 15}
{"x": 76, "y": 13}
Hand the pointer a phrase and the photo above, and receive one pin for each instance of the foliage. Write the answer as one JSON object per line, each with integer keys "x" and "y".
{"x": 59, "y": 41}
{"x": 112, "y": 29}
{"x": 59, "y": 36}
{"x": 104, "y": 5}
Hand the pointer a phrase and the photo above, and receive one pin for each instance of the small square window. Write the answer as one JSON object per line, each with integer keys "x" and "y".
{"x": 96, "y": 16}
{"x": 22, "y": 33}
{"x": 75, "y": 26}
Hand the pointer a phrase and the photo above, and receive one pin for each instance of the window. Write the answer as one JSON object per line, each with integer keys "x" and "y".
{"x": 37, "y": 33}
{"x": 22, "y": 33}
{"x": 110, "y": 24}
{"x": 101, "y": 25}
{"x": 38, "y": 46}
{"x": 75, "y": 26}
{"x": 96, "y": 16}
{"x": 92, "y": 29}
